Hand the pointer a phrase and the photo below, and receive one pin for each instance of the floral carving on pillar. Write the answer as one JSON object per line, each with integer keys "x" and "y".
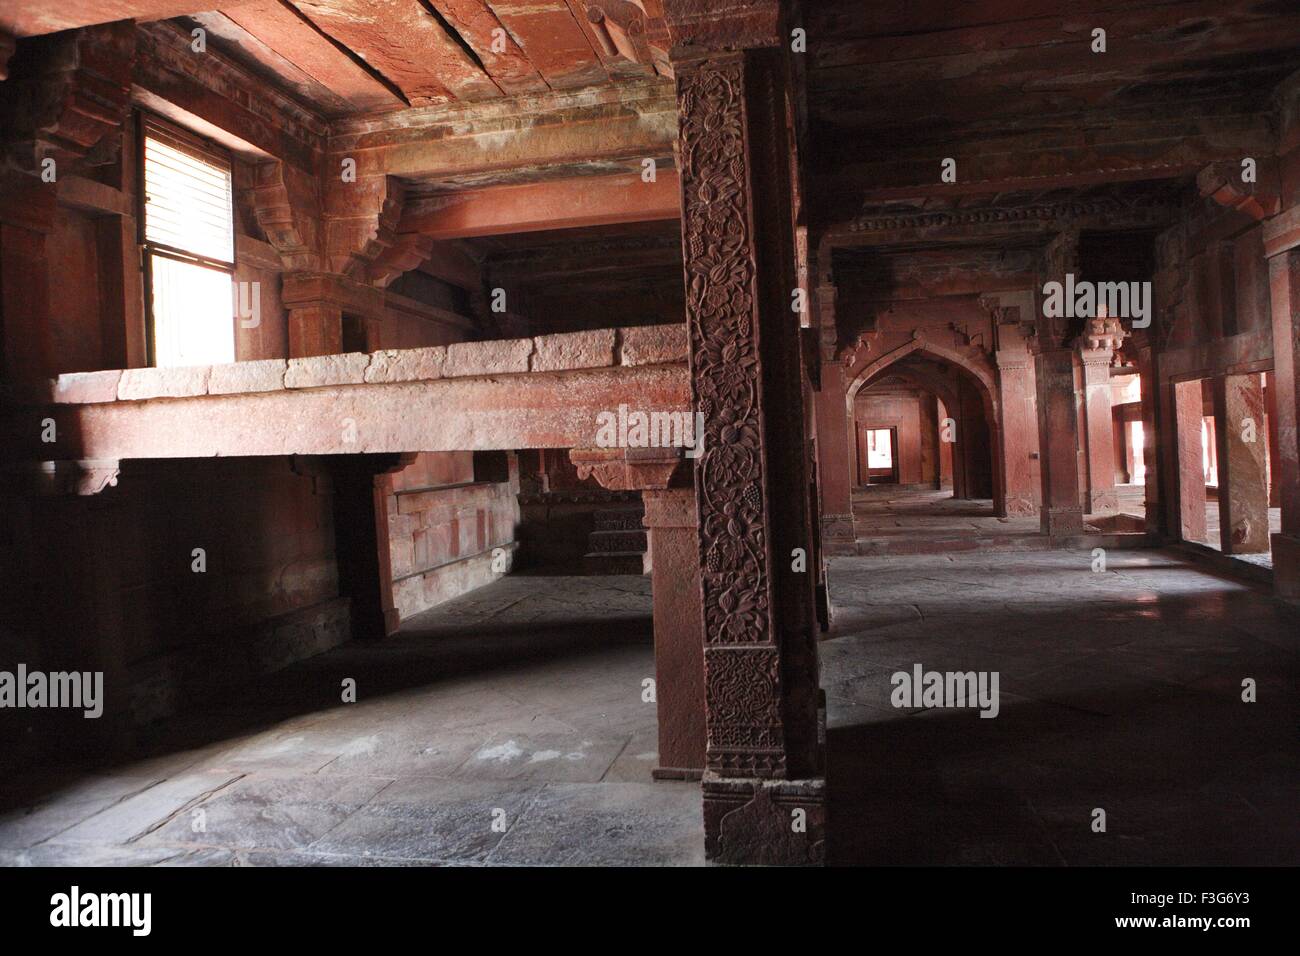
{"x": 742, "y": 672}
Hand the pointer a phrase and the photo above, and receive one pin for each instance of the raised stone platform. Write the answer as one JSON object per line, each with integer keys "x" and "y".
{"x": 542, "y": 392}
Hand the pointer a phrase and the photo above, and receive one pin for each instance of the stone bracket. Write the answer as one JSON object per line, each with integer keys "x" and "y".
{"x": 629, "y": 469}
{"x": 81, "y": 477}
{"x": 1222, "y": 182}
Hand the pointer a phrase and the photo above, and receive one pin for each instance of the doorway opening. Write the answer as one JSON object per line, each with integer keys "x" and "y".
{"x": 877, "y": 462}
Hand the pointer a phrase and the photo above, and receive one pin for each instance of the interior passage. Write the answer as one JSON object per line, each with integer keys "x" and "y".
{"x": 1119, "y": 690}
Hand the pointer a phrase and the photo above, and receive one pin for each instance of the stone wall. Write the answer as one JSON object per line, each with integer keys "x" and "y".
{"x": 449, "y": 530}
{"x": 184, "y": 578}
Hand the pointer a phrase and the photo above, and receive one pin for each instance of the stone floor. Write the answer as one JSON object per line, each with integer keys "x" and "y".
{"x": 519, "y": 704}
{"x": 1119, "y": 690}
{"x": 1132, "y": 503}
{"x": 892, "y": 520}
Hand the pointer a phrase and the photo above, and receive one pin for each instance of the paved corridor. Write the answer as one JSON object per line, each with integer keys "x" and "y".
{"x": 521, "y": 703}
{"x": 1119, "y": 690}
{"x": 505, "y": 727}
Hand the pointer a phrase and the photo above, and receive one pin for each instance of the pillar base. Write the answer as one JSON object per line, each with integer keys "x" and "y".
{"x": 1062, "y": 522}
{"x": 753, "y": 822}
{"x": 1103, "y": 501}
{"x": 1286, "y": 566}
{"x": 838, "y": 534}
{"x": 676, "y": 773}
{"x": 1021, "y": 506}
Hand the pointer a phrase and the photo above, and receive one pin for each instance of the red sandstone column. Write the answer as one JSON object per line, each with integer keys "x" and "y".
{"x": 361, "y": 539}
{"x": 1019, "y": 431}
{"x": 1152, "y": 428}
{"x": 1188, "y": 405}
{"x": 1241, "y": 437}
{"x": 1284, "y": 278}
{"x": 1058, "y": 433}
{"x": 670, "y": 516}
{"x": 315, "y": 330}
{"x": 833, "y": 459}
{"x": 764, "y": 756}
{"x": 1100, "y": 430}
{"x": 1058, "y": 405}
{"x": 1274, "y": 462}
{"x": 946, "y": 468}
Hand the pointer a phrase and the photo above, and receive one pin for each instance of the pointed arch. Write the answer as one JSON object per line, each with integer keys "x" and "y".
{"x": 982, "y": 375}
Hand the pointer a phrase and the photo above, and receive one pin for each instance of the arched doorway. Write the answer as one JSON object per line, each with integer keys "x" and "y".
{"x": 942, "y": 414}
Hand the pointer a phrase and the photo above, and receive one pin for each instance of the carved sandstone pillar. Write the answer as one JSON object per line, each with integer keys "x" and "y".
{"x": 64, "y": 607}
{"x": 1100, "y": 429}
{"x": 361, "y": 538}
{"x": 338, "y": 241}
{"x": 1019, "y": 431}
{"x": 27, "y": 209}
{"x": 1058, "y": 418}
{"x": 763, "y": 792}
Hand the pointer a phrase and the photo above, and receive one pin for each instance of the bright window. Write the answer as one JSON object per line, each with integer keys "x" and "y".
{"x": 189, "y": 249}
{"x": 880, "y": 451}
{"x": 1137, "y": 447}
{"x": 1209, "y": 456}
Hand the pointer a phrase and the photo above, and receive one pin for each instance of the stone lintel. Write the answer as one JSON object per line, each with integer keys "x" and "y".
{"x": 473, "y": 413}
{"x": 558, "y": 352}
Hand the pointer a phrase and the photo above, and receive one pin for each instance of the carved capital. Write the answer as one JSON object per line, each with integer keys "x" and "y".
{"x": 628, "y": 469}
{"x": 1060, "y": 258}
{"x": 408, "y": 251}
{"x": 1102, "y": 332}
